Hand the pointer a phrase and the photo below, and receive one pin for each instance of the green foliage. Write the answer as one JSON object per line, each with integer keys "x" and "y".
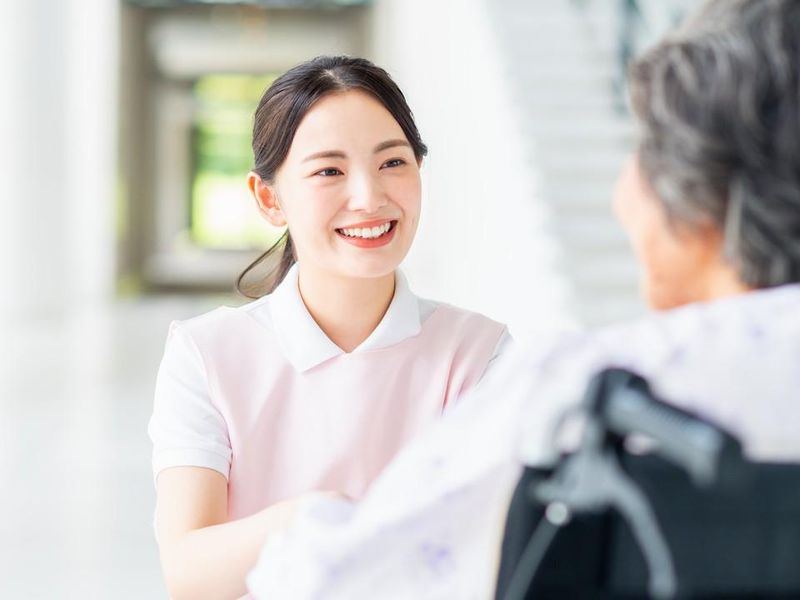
{"x": 222, "y": 214}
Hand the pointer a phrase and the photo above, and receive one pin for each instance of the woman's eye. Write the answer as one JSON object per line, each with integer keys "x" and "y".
{"x": 395, "y": 162}
{"x": 331, "y": 172}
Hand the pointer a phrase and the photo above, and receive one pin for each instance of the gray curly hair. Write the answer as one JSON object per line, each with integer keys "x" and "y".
{"x": 718, "y": 103}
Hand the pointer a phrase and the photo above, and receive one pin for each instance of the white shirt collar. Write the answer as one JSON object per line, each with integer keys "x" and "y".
{"x": 307, "y": 346}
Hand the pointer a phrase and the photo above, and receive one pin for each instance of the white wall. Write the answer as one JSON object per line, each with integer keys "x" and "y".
{"x": 482, "y": 242}
{"x": 31, "y": 155}
{"x": 91, "y": 105}
{"x": 57, "y": 155}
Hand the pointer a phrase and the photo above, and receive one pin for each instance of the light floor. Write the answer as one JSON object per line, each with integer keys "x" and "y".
{"x": 77, "y": 494}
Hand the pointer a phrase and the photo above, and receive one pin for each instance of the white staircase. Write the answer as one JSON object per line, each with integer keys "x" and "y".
{"x": 561, "y": 61}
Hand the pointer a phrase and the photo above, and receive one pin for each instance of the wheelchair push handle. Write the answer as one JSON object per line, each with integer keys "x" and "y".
{"x": 625, "y": 405}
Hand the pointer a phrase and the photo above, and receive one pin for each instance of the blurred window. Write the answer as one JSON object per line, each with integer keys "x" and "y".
{"x": 223, "y": 215}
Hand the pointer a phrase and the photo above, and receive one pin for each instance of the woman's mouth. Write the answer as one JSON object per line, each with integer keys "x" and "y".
{"x": 371, "y": 234}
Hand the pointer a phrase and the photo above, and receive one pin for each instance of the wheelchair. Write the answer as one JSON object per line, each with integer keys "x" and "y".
{"x": 691, "y": 518}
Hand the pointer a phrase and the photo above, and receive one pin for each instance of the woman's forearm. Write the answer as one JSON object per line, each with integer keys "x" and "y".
{"x": 213, "y": 562}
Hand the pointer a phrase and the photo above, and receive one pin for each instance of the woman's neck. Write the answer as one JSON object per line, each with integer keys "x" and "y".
{"x": 347, "y": 309}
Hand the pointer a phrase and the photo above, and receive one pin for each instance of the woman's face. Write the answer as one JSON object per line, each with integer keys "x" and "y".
{"x": 678, "y": 265}
{"x": 349, "y": 188}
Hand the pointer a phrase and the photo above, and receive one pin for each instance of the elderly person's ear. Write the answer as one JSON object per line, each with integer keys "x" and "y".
{"x": 679, "y": 263}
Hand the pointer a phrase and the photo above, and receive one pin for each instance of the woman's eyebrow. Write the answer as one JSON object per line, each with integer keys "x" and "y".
{"x": 325, "y": 154}
{"x": 339, "y": 154}
{"x": 391, "y": 144}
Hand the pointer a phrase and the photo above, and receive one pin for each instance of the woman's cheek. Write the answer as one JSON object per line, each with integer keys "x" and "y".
{"x": 412, "y": 195}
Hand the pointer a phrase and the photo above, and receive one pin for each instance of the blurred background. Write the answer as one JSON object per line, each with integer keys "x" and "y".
{"x": 124, "y": 149}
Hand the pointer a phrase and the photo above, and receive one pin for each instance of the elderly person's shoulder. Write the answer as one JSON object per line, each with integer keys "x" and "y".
{"x": 735, "y": 360}
{"x": 733, "y": 327}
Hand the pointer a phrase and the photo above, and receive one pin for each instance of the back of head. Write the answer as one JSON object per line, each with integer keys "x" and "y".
{"x": 719, "y": 106}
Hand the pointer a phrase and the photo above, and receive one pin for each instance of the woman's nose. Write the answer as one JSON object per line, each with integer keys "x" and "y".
{"x": 366, "y": 194}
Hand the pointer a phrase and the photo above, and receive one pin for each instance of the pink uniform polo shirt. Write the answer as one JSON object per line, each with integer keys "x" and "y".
{"x": 262, "y": 395}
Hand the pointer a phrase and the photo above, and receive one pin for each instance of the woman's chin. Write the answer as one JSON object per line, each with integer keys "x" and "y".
{"x": 373, "y": 267}
{"x": 371, "y": 264}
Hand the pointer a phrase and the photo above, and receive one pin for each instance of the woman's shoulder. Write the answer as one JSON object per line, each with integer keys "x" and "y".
{"x": 447, "y": 322}
{"x": 225, "y": 320}
{"x": 456, "y": 314}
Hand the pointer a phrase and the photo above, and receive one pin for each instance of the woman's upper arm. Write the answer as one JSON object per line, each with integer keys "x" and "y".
{"x": 189, "y": 498}
{"x": 186, "y": 428}
{"x": 191, "y": 449}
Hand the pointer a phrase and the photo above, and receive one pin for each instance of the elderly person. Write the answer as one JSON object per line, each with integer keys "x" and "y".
{"x": 711, "y": 201}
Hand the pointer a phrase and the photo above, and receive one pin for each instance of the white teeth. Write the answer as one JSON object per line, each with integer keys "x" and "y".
{"x": 367, "y": 232}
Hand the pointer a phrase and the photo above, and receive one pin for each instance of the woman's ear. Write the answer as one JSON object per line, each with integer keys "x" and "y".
{"x": 266, "y": 199}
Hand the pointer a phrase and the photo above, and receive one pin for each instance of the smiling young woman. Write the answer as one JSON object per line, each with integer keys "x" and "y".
{"x": 349, "y": 189}
{"x": 315, "y": 385}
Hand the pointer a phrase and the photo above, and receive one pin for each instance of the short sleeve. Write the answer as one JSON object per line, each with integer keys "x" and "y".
{"x": 503, "y": 346}
{"x": 186, "y": 428}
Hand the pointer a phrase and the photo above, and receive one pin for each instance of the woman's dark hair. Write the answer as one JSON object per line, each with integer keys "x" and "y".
{"x": 719, "y": 105}
{"x": 279, "y": 113}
